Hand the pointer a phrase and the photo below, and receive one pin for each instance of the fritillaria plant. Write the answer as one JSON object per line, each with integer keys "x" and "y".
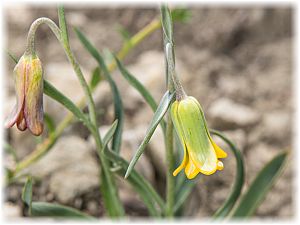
{"x": 192, "y": 137}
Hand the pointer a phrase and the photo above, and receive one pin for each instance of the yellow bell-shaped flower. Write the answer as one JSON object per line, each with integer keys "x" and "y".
{"x": 201, "y": 153}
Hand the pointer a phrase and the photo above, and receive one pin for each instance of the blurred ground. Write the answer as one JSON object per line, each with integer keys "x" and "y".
{"x": 236, "y": 61}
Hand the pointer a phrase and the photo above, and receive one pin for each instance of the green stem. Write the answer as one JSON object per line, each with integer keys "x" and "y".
{"x": 30, "y": 47}
{"x": 64, "y": 40}
{"x": 114, "y": 207}
{"x": 167, "y": 26}
{"x": 170, "y": 167}
{"x": 174, "y": 82}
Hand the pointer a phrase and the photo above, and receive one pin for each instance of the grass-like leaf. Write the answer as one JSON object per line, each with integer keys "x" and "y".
{"x": 225, "y": 209}
{"x": 118, "y": 105}
{"x": 145, "y": 190}
{"x": 63, "y": 25}
{"x": 140, "y": 88}
{"x": 260, "y": 187}
{"x": 167, "y": 24}
{"x": 150, "y": 197}
{"x": 27, "y": 193}
{"x": 52, "y": 92}
{"x": 158, "y": 116}
{"x": 110, "y": 133}
{"x": 44, "y": 209}
{"x": 96, "y": 78}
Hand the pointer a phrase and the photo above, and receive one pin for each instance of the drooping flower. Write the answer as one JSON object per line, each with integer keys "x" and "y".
{"x": 201, "y": 153}
{"x": 28, "y": 111}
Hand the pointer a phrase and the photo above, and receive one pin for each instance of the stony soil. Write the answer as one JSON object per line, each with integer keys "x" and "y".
{"x": 236, "y": 61}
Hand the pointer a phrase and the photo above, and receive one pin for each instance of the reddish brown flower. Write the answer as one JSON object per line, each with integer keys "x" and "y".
{"x": 28, "y": 111}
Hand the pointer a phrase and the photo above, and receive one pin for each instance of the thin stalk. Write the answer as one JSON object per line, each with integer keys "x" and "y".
{"x": 170, "y": 190}
{"x": 30, "y": 47}
{"x": 114, "y": 207}
{"x": 64, "y": 40}
{"x": 170, "y": 167}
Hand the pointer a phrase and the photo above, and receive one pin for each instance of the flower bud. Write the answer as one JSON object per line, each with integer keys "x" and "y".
{"x": 201, "y": 153}
{"x": 28, "y": 111}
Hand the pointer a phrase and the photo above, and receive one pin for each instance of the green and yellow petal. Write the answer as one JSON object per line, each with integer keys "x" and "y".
{"x": 201, "y": 153}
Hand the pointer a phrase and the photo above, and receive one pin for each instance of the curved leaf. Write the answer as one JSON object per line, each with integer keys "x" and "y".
{"x": 44, "y": 209}
{"x": 142, "y": 186}
{"x": 158, "y": 116}
{"x": 52, "y": 92}
{"x": 118, "y": 105}
{"x": 224, "y": 210}
{"x": 167, "y": 24}
{"x": 96, "y": 78}
{"x": 260, "y": 187}
{"x": 110, "y": 133}
{"x": 139, "y": 87}
{"x": 27, "y": 193}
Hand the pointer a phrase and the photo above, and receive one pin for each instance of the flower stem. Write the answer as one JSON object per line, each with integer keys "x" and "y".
{"x": 173, "y": 78}
{"x": 30, "y": 47}
{"x": 170, "y": 167}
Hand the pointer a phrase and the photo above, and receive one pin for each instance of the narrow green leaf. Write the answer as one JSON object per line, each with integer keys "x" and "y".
{"x": 136, "y": 180}
{"x": 118, "y": 105}
{"x": 225, "y": 209}
{"x": 260, "y": 187}
{"x": 142, "y": 186}
{"x": 44, "y": 209}
{"x": 158, "y": 116}
{"x": 96, "y": 78}
{"x": 52, "y": 92}
{"x": 27, "y": 193}
{"x": 63, "y": 25}
{"x": 109, "y": 135}
{"x": 139, "y": 87}
{"x": 167, "y": 24}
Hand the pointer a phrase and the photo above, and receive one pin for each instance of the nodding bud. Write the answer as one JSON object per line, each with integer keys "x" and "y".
{"x": 28, "y": 111}
{"x": 201, "y": 154}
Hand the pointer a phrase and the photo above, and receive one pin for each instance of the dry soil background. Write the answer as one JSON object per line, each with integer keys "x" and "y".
{"x": 237, "y": 61}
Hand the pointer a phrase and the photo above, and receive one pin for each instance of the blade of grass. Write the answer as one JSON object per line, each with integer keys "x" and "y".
{"x": 158, "y": 116}
{"x": 225, "y": 209}
{"x": 44, "y": 209}
{"x": 259, "y": 188}
{"x": 145, "y": 188}
{"x": 52, "y": 92}
{"x": 118, "y": 105}
{"x": 140, "y": 88}
{"x": 27, "y": 193}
